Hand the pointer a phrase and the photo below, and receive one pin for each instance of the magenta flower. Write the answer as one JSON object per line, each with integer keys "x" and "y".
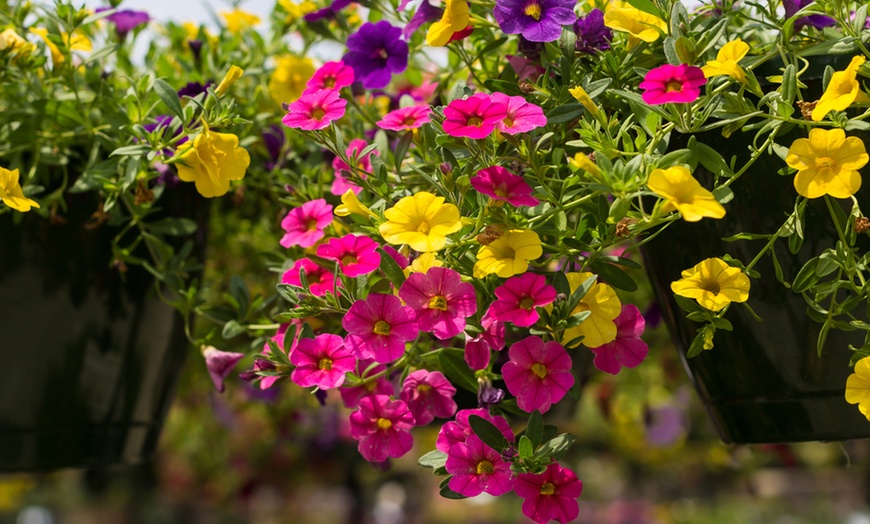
{"x": 382, "y": 427}
{"x": 477, "y": 468}
{"x": 351, "y": 396}
{"x": 320, "y": 279}
{"x": 459, "y": 430}
{"x": 428, "y": 395}
{"x": 375, "y": 52}
{"x": 627, "y": 349}
{"x": 552, "y": 495}
{"x": 473, "y": 117}
{"x": 340, "y": 185}
{"x": 321, "y": 361}
{"x": 405, "y": 118}
{"x": 538, "y": 373}
{"x": 315, "y": 110}
{"x": 356, "y": 254}
{"x": 379, "y": 326}
{"x": 221, "y": 363}
{"x": 519, "y": 296}
{"x": 304, "y": 225}
{"x": 441, "y": 301}
{"x": 521, "y": 116}
{"x": 331, "y": 75}
{"x": 500, "y": 184}
{"x": 478, "y": 349}
{"x": 672, "y": 84}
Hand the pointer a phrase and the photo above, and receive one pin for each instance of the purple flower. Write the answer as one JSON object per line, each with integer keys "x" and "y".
{"x": 592, "y": 34}
{"x": 536, "y": 20}
{"x": 376, "y": 52}
{"x": 219, "y": 364}
{"x": 327, "y": 12}
{"x": 817, "y": 21}
{"x": 126, "y": 19}
{"x": 193, "y": 88}
{"x": 273, "y": 139}
{"x": 425, "y": 13}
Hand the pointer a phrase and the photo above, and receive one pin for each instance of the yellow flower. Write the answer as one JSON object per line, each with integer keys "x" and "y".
{"x": 603, "y": 305}
{"x": 726, "y": 61}
{"x": 211, "y": 160}
{"x": 713, "y": 283}
{"x": 12, "y": 42}
{"x": 351, "y": 204}
{"x": 229, "y": 79}
{"x": 639, "y": 24}
{"x": 77, "y": 42}
{"x": 582, "y": 96}
{"x": 684, "y": 194}
{"x": 295, "y": 11}
{"x": 581, "y": 161}
{"x": 422, "y": 263}
{"x": 454, "y": 19}
{"x": 842, "y": 91}
{"x": 827, "y": 163}
{"x": 422, "y": 221}
{"x": 11, "y": 193}
{"x": 509, "y": 254}
{"x": 239, "y": 20}
{"x": 288, "y": 80}
{"x": 858, "y": 387}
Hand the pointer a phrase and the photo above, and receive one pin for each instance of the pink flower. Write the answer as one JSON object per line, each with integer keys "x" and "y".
{"x": 477, "y": 468}
{"x": 478, "y": 349}
{"x": 628, "y": 349}
{"x": 315, "y": 110}
{"x": 321, "y": 361}
{"x": 538, "y": 374}
{"x": 351, "y": 396}
{"x": 379, "y": 326}
{"x": 331, "y": 75}
{"x": 521, "y": 116}
{"x": 356, "y": 254}
{"x": 340, "y": 185}
{"x": 320, "y": 280}
{"x": 500, "y": 184}
{"x": 473, "y": 117}
{"x": 400, "y": 259}
{"x": 405, "y": 118}
{"x": 459, "y": 430}
{"x": 552, "y": 495}
{"x": 519, "y": 296}
{"x": 672, "y": 84}
{"x": 382, "y": 427}
{"x": 304, "y": 225}
{"x": 441, "y": 301}
{"x": 428, "y": 395}
{"x": 221, "y": 363}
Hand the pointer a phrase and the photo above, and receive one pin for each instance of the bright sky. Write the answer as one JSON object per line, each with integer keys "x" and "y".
{"x": 187, "y": 10}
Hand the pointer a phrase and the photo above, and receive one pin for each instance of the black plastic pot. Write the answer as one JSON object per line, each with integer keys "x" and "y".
{"x": 89, "y": 356}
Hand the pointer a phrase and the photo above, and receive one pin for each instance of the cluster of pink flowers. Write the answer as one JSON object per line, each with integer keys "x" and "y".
{"x": 321, "y": 102}
{"x": 480, "y": 114}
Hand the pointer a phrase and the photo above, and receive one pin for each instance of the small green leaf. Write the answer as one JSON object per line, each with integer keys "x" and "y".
{"x": 434, "y": 459}
{"x": 488, "y": 433}
{"x": 806, "y": 277}
{"x": 525, "y": 448}
{"x": 448, "y": 493}
{"x": 697, "y": 344}
{"x": 173, "y": 227}
{"x": 232, "y": 329}
{"x": 535, "y": 428}
{"x": 454, "y": 366}
{"x": 391, "y": 269}
{"x": 169, "y": 97}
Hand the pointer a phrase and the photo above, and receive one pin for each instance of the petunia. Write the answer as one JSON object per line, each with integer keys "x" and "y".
{"x": 519, "y": 296}
{"x": 356, "y": 254}
{"x": 459, "y": 429}
{"x": 581, "y": 161}
{"x": 713, "y": 283}
{"x": 535, "y": 20}
{"x": 473, "y": 117}
{"x": 383, "y": 428}
{"x": 366, "y": 369}
{"x": 303, "y": 226}
{"x": 603, "y": 305}
{"x": 640, "y": 25}
{"x": 500, "y": 184}
{"x": 477, "y": 468}
{"x": 858, "y": 387}
{"x": 327, "y": 12}
{"x": 422, "y": 221}
{"x": 350, "y": 204}
{"x": 818, "y": 21}
{"x": 454, "y": 19}
{"x": 627, "y": 349}
{"x": 379, "y": 327}
{"x": 478, "y": 349}
{"x": 425, "y": 13}
{"x": 220, "y": 364}
{"x": 428, "y": 395}
{"x": 726, "y": 62}
{"x": 375, "y": 52}
{"x": 592, "y": 34}
{"x": 125, "y": 20}
{"x": 11, "y": 193}
{"x": 669, "y": 84}
{"x": 239, "y": 20}
{"x": 509, "y": 254}
{"x": 842, "y": 91}
{"x": 74, "y": 42}
{"x": 340, "y": 184}
{"x": 683, "y": 193}
{"x": 320, "y": 280}
{"x": 538, "y": 373}
{"x": 331, "y": 75}
{"x": 440, "y": 300}
{"x": 234, "y": 73}
{"x": 289, "y": 79}
{"x": 211, "y": 161}
{"x": 405, "y": 118}
{"x": 583, "y": 97}
{"x": 321, "y": 361}
{"x": 315, "y": 110}
{"x": 520, "y": 116}
{"x": 551, "y": 495}
{"x": 194, "y": 89}
{"x": 827, "y": 163}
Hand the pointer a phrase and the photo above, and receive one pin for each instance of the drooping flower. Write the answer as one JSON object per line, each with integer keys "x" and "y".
{"x": 454, "y": 19}
{"x": 304, "y": 225}
{"x": 477, "y": 468}
{"x": 726, "y": 62}
{"x": 459, "y": 430}
{"x": 375, "y": 52}
{"x": 858, "y": 387}
{"x": 842, "y": 90}
{"x": 351, "y": 204}
{"x": 382, "y": 427}
{"x": 583, "y": 97}
{"x": 428, "y": 395}
{"x": 603, "y": 304}
{"x": 535, "y": 20}
{"x": 473, "y": 117}
{"x": 74, "y": 42}
{"x": 315, "y": 110}
{"x": 234, "y": 73}
{"x": 640, "y": 25}
{"x": 519, "y": 296}
{"x": 11, "y": 193}
{"x": 478, "y": 349}
{"x": 713, "y": 283}
{"x": 381, "y": 385}
{"x": 340, "y": 184}
{"x": 320, "y": 280}
{"x": 321, "y": 361}
{"x": 538, "y": 373}
{"x": 551, "y": 495}
{"x": 817, "y": 21}
{"x": 581, "y": 161}
{"x": 331, "y": 75}
{"x": 592, "y": 34}
{"x": 289, "y": 79}
{"x": 220, "y": 364}
{"x": 440, "y": 300}
{"x": 356, "y": 254}
{"x": 211, "y": 160}
{"x": 405, "y": 118}
{"x": 509, "y": 254}
{"x": 422, "y": 221}
{"x": 827, "y": 163}
{"x": 627, "y": 350}
{"x": 500, "y": 184}
{"x": 669, "y": 84}
{"x": 379, "y": 327}
{"x": 125, "y": 20}
{"x": 520, "y": 116}
{"x": 239, "y": 20}
{"x": 683, "y": 193}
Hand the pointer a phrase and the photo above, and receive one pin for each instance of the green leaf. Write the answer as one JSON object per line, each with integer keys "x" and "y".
{"x": 525, "y": 448}
{"x": 169, "y": 97}
{"x": 434, "y": 459}
{"x": 806, "y": 277}
{"x": 139, "y": 149}
{"x": 697, "y": 345}
{"x": 565, "y": 113}
{"x": 535, "y": 428}
{"x": 454, "y": 366}
{"x": 687, "y": 304}
{"x": 232, "y": 329}
{"x": 391, "y": 269}
{"x": 175, "y": 227}
{"x": 647, "y": 7}
{"x": 614, "y": 276}
{"x": 448, "y": 493}
{"x": 557, "y": 446}
{"x": 488, "y": 433}
{"x": 402, "y": 149}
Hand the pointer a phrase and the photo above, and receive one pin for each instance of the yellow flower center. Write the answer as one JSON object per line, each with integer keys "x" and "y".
{"x": 424, "y": 388}
{"x": 475, "y": 121}
{"x": 409, "y": 120}
{"x": 539, "y": 370}
{"x": 318, "y": 113}
{"x": 328, "y": 82}
{"x": 673, "y": 86}
{"x": 548, "y": 488}
{"x": 324, "y": 364}
{"x": 382, "y": 328}
{"x": 533, "y": 9}
{"x": 508, "y": 121}
{"x": 712, "y": 286}
{"x": 500, "y": 190}
{"x": 484, "y": 467}
{"x": 384, "y": 423}
{"x": 825, "y": 162}
{"x": 348, "y": 259}
{"x": 527, "y": 303}
{"x": 311, "y": 225}
{"x": 438, "y": 302}
{"x": 423, "y": 228}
